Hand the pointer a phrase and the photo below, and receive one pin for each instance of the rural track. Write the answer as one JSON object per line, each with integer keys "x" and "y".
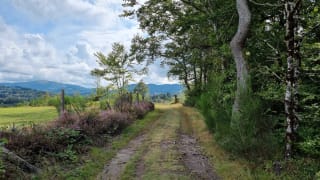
{"x": 164, "y": 151}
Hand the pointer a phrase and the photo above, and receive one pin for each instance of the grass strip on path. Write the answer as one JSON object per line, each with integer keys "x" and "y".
{"x": 159, "y": 157}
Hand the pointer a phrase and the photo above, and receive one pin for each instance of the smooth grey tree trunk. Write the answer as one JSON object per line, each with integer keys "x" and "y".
{"x": 237, "y": 46}
{"x": 292, "y": 74}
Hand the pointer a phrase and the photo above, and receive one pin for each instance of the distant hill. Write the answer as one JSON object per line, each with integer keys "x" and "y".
{"x": 155, "y": 89}
{"x": 55, "y": 88}
{"x": 51, "y": 87}
{"x": 14, "y": 95}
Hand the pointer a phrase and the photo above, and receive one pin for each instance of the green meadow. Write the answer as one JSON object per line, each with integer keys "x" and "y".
{"x": 26, "y": 115}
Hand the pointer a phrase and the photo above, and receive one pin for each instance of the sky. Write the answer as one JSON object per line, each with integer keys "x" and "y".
{"x": 55, "y": 40}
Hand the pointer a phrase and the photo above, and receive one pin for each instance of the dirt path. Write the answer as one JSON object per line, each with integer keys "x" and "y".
{"x": 194, "y": 160}
{"x": 117, "y": 164}
{"x": 164, "y": 152}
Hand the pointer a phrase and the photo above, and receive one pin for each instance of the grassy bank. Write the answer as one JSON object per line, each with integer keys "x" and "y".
{"x": 26, "y": 115}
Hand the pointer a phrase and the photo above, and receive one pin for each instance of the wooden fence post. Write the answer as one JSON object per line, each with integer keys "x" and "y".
{"x": 62, "y": 102}
{"x": 176, "y": 100}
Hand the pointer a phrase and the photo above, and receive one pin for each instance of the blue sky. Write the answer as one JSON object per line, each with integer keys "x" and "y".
{"x": 55, "y": 39}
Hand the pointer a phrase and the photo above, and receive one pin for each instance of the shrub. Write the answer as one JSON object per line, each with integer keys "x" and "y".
{"x": 247, "y": 133}
{"x": 113, "y": 122}
{"x": 68, "y": 120}
{"x": 76, "y": 103}
{"x": 311, "y": 146}
{"x": 215, "y": 105}
{"x": 67, "y": 155}
{"x": 64, "y": 138}
{"x": 2, "y": 166}
{"x": 123, "y": 103}
{"x": 92, "y": 123}
{"x": 41, "y": 141}
{"x": 140, "y": 109}
{"x": 251, "y": 131}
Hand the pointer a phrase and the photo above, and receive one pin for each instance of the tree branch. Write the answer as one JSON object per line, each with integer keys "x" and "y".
{"x": 265, "y": 4}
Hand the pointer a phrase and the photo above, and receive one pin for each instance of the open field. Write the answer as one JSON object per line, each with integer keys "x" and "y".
{"x": 26, "y": 115}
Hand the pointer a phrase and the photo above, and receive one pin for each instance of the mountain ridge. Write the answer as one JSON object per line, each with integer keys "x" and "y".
{"x": 70, "y": 89}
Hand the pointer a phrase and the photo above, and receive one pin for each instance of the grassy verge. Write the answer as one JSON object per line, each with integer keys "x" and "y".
{"x": 94, "y": 161}
{"x": 226, "y": 166}
{"x": 26, "y": 115}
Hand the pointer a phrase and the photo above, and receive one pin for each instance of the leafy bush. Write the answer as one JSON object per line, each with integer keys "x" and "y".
{"x": 41, "y": 141}
{"x": 113, "y": 122}
{"x": 67, "y": 155}
{"x": 64, "y": 136}
{"x": 123, "y": 103}
{"x": 67, "y": 136}
{"x": 311, "y": 146}
{"x": 215, "y": 106}
{"x": 140, "y": 109}
{"x": 92, "y": 123}
{"x": 76, "y": 103}
{"x": 2, "y": 166}
{"x": 247, "y": 133}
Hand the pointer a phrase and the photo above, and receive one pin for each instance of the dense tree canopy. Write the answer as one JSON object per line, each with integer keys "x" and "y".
{"x": 192, "y": 37}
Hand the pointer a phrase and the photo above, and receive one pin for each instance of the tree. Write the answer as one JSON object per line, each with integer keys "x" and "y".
{"x": 292, "y": 8}
{"x": 117, "y": 67}
{"x": 192, "y": 37}
{"x": 237, "y": 45}
{"x": 180, "y": 37}
{"x": 141, "y": 88}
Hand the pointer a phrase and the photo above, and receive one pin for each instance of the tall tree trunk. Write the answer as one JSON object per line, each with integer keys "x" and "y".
{"x": 292, "y": 75}
{"x": 237, "y": 45}
{"x": 186, "y": 73}
{"x": 195, "y": 75}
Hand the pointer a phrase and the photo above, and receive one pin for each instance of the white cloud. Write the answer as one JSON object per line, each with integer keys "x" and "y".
{"x": 63, "y": 51}
{"x": 29, "y": 57}
{"x": 57, "y": 10}
{"x": 157, "y": 75}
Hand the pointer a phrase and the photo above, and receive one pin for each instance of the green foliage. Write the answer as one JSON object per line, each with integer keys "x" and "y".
{"x": 192, "y": 39}
{"x": 2, "y": 166}
{"x": 76, "y": 103}
{"x": 251, "y": 130}
{"x": 117, "y": 67}
{"x": 10, "y": 96}
{"x": 67, "y": 135}
{"x": 98, "y": 156}
{"x": 317, "y": 176}
{"x": 311, "y": 146}
{"x": 161, "y": 98}
{"x": 250, "y": 134}
{"x": 141, "y": 88}
{"x": 67, "y": 155}
{"x": 215, "y": 106}
{"x": 301, "y": 168}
